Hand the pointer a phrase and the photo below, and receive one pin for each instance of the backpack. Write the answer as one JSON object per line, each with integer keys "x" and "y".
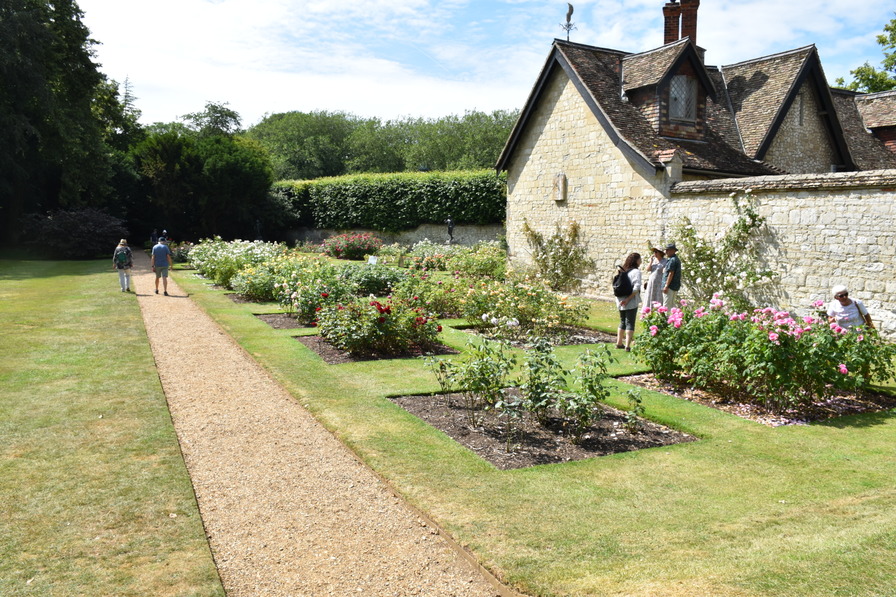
{"x": 121, "y": 258}
{"x": 622, "y": 284}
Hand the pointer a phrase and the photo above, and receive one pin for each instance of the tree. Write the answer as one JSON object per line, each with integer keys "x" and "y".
{"x": 215, "y": 120}
{"x": 305, "y": 145}
{"x": 867, "y": 78}
{"x": 52, "y": 153}
{"x": 237, "y": 176}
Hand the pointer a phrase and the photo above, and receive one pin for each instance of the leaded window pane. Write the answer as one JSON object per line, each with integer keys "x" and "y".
{"x": 683, "y": 98}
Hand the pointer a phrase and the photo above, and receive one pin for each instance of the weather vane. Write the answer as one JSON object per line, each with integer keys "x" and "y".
{"x": 569, "y": 25}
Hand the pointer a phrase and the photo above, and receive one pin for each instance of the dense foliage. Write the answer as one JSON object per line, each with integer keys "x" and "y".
{"x": 781, "y": 361}
{"x": 322, "y": 144}
{"x": 396, "y": 202}
{"x": 64, "y": 126}
{"x": 72, "y": 234}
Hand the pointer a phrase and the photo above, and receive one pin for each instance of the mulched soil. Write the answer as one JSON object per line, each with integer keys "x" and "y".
{"x": 737, "y": 403}
{"x": 281, "y": 321}
{"x": 568, "y": 336}
{"x": 335, "y": 356}
{"x": 531, "y": 443}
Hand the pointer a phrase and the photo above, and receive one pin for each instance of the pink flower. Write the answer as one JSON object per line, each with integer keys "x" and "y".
{"x": 808, "y": 320}
{"x": 818, "y": 304}
{"x": 654, "y": 330}
{"x": 843, "y": 369}
{"x": 773, "y": 337}
{"x": 859, "y": 338}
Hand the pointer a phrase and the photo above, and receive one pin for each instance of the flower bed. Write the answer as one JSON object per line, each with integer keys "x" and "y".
{"x": 781, "y": 361}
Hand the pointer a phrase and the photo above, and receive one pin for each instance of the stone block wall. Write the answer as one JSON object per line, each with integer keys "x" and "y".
{"x": 822, "y": 230}
{"x": 803, "y": 144}
{"x": 615, "y": 205}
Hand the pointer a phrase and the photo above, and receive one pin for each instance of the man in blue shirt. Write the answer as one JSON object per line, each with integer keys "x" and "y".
{"x": 162, "y": 259}
{"x": 671, "y": 277}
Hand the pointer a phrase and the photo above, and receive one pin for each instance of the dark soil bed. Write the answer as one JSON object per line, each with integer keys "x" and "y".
{"x": 569, "y": 336}
{"x": 737, "y": 403}
{"x": 533, "y": 443}
{"x": 335, "y": 356}
{"x": 281, "y": 321}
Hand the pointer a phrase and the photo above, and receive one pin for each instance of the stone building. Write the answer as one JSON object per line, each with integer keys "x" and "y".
{"x": 628, "y": 144}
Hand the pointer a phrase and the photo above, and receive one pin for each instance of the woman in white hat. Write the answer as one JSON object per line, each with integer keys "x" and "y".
{"x": 847, "y": 312}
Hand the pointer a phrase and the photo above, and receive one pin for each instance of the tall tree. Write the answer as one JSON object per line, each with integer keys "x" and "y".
{"x": 52, "y": 154}
{"x": 869, "y": 79}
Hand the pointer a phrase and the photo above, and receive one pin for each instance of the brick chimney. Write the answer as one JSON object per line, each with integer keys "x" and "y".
{"x": 689, "y": 19}
{"x": 672, "y": 16}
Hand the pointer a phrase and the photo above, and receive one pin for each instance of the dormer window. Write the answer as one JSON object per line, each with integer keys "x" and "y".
{"x": 683, "y": 98}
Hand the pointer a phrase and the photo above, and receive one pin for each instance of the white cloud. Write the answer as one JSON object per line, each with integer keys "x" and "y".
{"x": 392, "y": 58}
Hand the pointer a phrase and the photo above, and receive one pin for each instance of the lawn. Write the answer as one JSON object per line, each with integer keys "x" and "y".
{"x": 747, "y": 510}
{"x": 94, "y": 495}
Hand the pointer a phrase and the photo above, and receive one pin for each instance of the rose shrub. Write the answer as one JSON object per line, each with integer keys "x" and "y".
{"x": 351, "y": 246}
{"x": 372, "y": 326}
{"x": 781, "y": 361}
{"x": 513, "y": 310}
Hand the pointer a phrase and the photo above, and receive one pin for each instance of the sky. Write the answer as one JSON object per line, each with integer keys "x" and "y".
{"x": 420, "y": 58}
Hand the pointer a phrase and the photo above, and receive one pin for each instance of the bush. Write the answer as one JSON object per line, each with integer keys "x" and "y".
{"x": 441, "y": 295}
{"x": 397, "y": 202}
{"x": 371, "y": 326}
{"x": 483, "y": 378}
{"x": 781, "y": 361}
{"x": 483, "y": 259}
{"x": 370, "y": 279}
{"x": 560, "y": 258}
{"x": 514, "y": 310}
{"x": 262, "y": 282}
{"x": 220, "y": 261}
{"x": 306, "y": 290}
{"x": 72, "y": 234}
{"x": 351, "y": 246}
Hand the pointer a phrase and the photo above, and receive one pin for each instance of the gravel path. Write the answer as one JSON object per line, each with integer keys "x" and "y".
{"x": 288, "y": 510}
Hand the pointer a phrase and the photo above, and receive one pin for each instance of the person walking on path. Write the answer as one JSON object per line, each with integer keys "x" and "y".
{"x": 671, "y": 277}
{"x": 654, "y": 285}
{"x": 162, "y": 259}
{"x": 628, "y": 305}
{"x": 123, "y": 261}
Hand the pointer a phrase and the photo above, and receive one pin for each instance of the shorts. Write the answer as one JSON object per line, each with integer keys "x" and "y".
{"x": 627, "y": 319}
{"x": 161, "y": 272}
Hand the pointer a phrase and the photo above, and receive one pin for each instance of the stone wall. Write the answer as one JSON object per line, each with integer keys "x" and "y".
{"x": 822, "y": 230}
{"x": 613, "y": 204}
{"x": 463, "y": 234}
{"x": 802, "y": 144}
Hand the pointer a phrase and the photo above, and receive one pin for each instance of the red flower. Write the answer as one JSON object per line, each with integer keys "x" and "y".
{"x": 439, "y": 329}
{"x": 324, "y": 294}
{"x": 382, "y": 320}
{"x": 317, "y": 309}
{"x": 313, "y": 324}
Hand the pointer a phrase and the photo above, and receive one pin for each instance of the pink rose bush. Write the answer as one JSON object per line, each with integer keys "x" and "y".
{"x": 781, "y": 360}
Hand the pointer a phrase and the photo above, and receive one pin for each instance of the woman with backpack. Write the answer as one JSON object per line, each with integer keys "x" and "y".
{"x": 123, "y": 262}
{"x": 628, "y": 298}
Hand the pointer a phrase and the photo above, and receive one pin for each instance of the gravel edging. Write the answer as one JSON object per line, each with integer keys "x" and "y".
{"x": 288, "y": 510}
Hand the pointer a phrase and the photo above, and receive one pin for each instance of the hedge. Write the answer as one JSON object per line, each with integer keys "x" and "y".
{"x": 397, "y": 202}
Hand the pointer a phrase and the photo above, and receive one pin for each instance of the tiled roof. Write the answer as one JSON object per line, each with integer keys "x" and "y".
{"x": 641, "y": 70}
{"x": 757, "y": 90}
{"x": 745, "y": 105}
{"x": 598, "y": 70}
{"x": 868, "y": 152}
{"x": 877, "y": 109}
